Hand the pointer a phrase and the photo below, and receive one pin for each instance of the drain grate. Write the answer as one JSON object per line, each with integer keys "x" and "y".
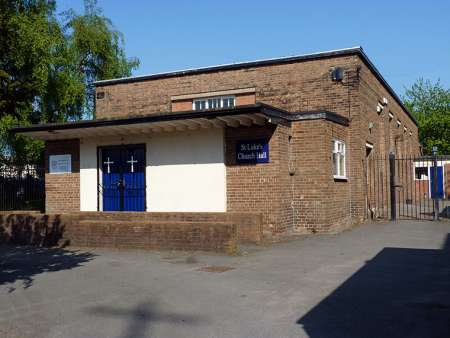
{"x": 215, "y": 268}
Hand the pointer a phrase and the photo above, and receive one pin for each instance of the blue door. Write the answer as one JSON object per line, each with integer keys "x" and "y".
{"x": 437, "y": 192}
{"x": 123, "y": 178}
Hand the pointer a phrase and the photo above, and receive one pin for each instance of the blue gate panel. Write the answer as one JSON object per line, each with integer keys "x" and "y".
{"x": 123, "y": 178}
{"x": 439, "y": 177}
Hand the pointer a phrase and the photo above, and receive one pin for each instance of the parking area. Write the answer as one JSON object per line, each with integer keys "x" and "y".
{"x": 377, "y": 280}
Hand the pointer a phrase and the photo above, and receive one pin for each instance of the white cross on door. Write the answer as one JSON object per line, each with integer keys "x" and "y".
{"x": 132, "y": 162}
{"x": 108, "y": 162}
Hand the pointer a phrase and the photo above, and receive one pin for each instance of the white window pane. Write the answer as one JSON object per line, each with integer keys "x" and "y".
{"x": 213, "y": 103}
{"x": 335, "y": 164}
{"x": 228, "y": 102}
{"x": 341, "y": 165}
{"x": 338, "y": 158}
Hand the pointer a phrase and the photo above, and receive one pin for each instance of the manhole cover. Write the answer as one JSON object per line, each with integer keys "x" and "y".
{"x": 215, "y": 268}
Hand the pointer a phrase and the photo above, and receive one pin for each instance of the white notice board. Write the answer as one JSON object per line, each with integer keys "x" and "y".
{"x": 59, "y": 164}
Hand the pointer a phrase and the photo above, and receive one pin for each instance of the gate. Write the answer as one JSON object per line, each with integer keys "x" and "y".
{"x": 22, "y": 187}
{"x": 122, "y": 175}
{"x": 408, "y": 187}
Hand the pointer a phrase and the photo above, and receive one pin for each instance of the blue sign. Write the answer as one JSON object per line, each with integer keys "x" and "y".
{"x": 252, "y": 151}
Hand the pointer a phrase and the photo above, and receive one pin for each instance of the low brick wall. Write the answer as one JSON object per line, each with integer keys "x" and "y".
{"x": 249, "y": 225}
{"x": 175, "y": 231}
{"x": 31, "y": 228}
{"x": 221, "y": 237}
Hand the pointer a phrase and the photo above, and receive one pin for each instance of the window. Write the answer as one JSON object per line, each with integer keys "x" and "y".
{"x": 200, "y": 104}
{"x": 421, "y": 173}
{"x": 228, "y": 102}
{"x": 339, "y": 159}
{"x": 214, "y": 103}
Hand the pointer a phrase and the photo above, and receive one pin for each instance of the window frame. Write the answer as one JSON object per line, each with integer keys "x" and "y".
{"x": 427, "y": 176}
{"x": 221, "y": 102}
{"x": 342, "y": 153}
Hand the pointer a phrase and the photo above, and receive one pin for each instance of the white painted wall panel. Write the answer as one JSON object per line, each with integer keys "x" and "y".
{"x": 186, "y": 171}
{"x": 88, "y": 176}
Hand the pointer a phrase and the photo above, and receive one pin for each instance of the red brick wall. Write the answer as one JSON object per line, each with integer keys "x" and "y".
{"x": 320, "y": 203}
{"x": 191, "y": 236}
{"x": 385, "y": 136}
{"x": 259, "y": 187}
{"x": 339, "y": 197}
{"x": 243, "y": 99}
{"x": 183, "y": 105}
{"x": 295, "y": 87}
{"x": 172, "y": 231}
{"x": 422, "y": 189}
{"x": 447, "y": 180}
{"x": 309, "y": 197}
{"x": 62, "y": 191}
{"x": 249, "y": 223}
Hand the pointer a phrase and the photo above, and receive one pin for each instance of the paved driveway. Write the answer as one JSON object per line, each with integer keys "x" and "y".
{"x": 378, "y": 280}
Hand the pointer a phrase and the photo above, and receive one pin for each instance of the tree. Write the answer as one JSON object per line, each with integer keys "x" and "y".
{"x": 48, "y": 64}
{"x": 93, "y": 51}
{"x": 430, "y": 104}
{"x": 26, "y": 38}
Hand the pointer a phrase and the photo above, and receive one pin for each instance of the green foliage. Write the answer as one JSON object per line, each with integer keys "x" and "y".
{"x": 430, "y": 104}
{"x": 48, "y": 64}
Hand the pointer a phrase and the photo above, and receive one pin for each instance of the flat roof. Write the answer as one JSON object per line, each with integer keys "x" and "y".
{"x": 235, "y": 65}
{"x": 358, "y": 50}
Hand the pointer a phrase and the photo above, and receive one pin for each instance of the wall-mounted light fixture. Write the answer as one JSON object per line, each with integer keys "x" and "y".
{"x": 337, "y": 74}
{"x": 379, "y": 108}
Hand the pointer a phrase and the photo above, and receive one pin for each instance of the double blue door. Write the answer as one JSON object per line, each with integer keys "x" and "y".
{"x": 123, "y": 178}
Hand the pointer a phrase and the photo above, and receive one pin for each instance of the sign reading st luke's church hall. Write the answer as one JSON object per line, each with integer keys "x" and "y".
{"x": 252, "y": 151}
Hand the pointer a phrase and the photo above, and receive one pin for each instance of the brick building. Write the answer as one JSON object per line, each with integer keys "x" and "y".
{"x": 286, "y": 138}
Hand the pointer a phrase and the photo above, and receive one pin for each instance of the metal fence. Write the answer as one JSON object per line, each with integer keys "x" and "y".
{"x": 409, "y": 187}
{"x": 22, "y": 187}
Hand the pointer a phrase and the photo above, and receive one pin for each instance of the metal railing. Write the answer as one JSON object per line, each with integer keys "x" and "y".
{"x": 22, "y": 187}
{"x": 416, "y": 187}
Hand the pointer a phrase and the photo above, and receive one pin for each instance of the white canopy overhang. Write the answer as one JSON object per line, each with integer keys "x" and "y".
{"x": 250, "y": 115}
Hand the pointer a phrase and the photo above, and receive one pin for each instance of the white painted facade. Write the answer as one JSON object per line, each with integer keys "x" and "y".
{"x": 185, "y": 171}
{"x": 88, "y": 175}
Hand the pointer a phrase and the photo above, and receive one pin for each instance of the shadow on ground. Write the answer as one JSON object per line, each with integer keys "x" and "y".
{"x": 141, "y": 317}
{"x": 401, "y": 292}
{"x": 23, "y": 263}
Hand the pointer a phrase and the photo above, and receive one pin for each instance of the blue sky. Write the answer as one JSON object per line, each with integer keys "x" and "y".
{"x": 406, "y": 40}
